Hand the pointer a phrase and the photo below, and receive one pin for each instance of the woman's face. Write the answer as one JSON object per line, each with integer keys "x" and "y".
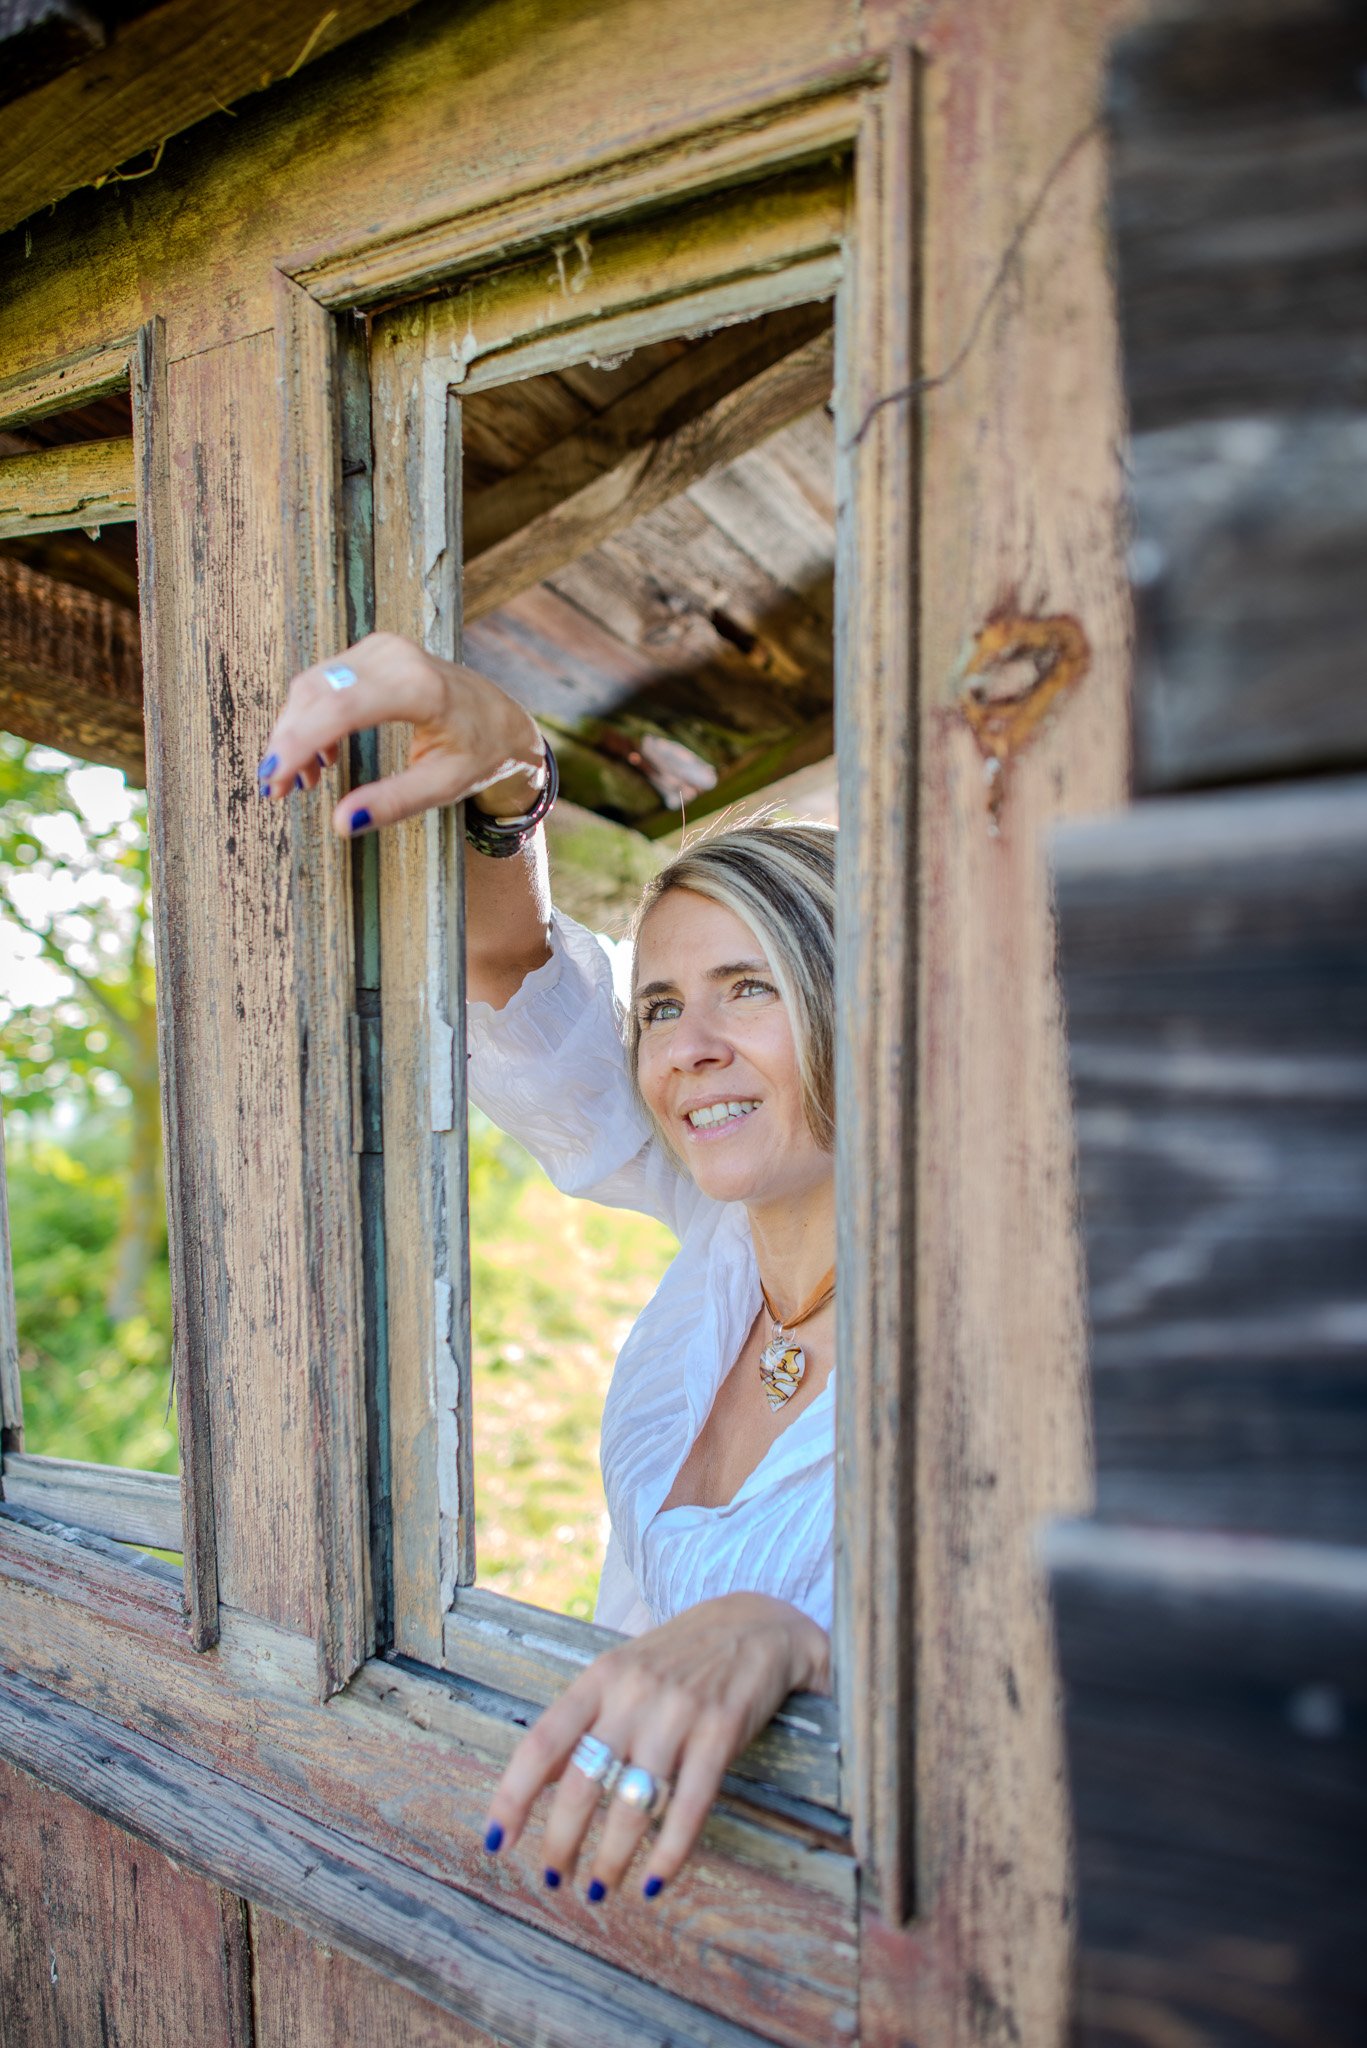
{"x": 718, "y": 1064}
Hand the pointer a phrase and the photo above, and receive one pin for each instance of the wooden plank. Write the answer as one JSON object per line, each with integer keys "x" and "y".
{"x": 477, "y": 149}
{"x": 1216, "y": 981}
{"x": 680, "y": 394}
{"x": 104, "y": 1939}
{"x": 163, "y": 707}
{"x": 533, "y": 1654}
{"x": 1216, "y": 1708}
{"x": 306, "y": 1995}
{"x": 235, "y": 1063}
{"x": 70, "y": 669}
{"x": 110, "y": 1500}
{"x": 58, "y": 385}
{"x": 1248, "y": 538}
{"x": 1240, "y": 296}
{"x": 321, "y": 908}
{"x": 165, "y": 70}
{"x": 76, "y": 483}
{"x": 876, "y": 933}
{"x": 760, "y": 1925}
{"x": 427, "y": 1936}
{"x": 1013, "y": 475}
{"x": 422, "y": 997}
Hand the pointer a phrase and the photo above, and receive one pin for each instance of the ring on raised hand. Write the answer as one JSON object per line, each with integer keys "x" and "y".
{"x": 641, "y": 1790}
{"x": 340, "y": 676}
{"x": 592, "y": 1756}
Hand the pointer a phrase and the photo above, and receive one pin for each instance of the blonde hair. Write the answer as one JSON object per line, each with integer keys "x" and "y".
{"x": 779, "y": 879}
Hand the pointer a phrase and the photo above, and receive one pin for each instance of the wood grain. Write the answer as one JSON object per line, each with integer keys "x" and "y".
{"x": 172, "y": 66}
{"x": 321, "y": 905}
{"x": 81, "y": 483}
{"x": 70, "y": 669}
{"x": 104, "y": 1939}
{"x": 649, "y": 470}
{"x": 1213, "y": 963}
{"x": 306, "y": 1995}
{"x": 429, "y": 1937}
{"x": 1240, "y": 296}
{"x": 1217, "y": 1726}
{"x": 109, "y": 1500}
{"x": 1017, "y": 487}
{"x": 760, "y": 1927}
{"x": 1248, "y": 538}
{"x": 233, "y": 1057}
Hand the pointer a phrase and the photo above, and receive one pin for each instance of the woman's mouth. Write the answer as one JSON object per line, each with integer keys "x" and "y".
{"x": 714, "y": 1118}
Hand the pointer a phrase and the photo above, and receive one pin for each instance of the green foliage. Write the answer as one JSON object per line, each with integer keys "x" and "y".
{"x": 93, "y": 1388}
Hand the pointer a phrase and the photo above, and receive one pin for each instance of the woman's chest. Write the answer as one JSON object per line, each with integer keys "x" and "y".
{"x": 741, "y": 1426}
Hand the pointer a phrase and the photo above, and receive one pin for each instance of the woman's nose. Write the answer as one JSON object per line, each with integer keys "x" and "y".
{"x": 694, "y": 1042}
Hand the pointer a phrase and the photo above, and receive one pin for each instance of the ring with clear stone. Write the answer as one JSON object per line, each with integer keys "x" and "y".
{"x": 642, "y": 1791}
{"x": 597, "y": 1762}
{"x": 340, "y": 676}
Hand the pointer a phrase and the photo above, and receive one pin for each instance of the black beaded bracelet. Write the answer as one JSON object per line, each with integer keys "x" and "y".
{"x": 500, "y": 838}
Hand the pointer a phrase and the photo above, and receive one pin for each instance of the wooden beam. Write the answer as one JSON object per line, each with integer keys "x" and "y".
{"x": 108, "y": 1500}
{"x": 77, "y": 483}
{"x": 174, "y": 66}
{"x": 70, "y": 669}
{"x": 663, "y": 437}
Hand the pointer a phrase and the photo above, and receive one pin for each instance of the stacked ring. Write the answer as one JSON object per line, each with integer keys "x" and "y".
{"x": 592, "y": 1756}
{"x": 339, "y": 675}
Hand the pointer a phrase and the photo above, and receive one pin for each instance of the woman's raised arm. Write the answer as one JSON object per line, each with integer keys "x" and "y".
{"x": 470, "y": 740}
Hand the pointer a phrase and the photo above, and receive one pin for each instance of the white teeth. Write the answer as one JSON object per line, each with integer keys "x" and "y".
{"x": 719, "y": 1113}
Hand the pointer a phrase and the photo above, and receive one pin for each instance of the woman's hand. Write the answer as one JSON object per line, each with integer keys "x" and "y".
{"x": 683, "y": 1700}
{"x": 468, "y": 735}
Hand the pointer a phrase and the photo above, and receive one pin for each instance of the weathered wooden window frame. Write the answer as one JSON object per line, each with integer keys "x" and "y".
{"x": 73, "y": 488}
{"x": 81, "y": 1620}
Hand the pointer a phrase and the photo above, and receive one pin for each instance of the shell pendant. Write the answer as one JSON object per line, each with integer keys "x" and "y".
{"x": 781, "y": 1366}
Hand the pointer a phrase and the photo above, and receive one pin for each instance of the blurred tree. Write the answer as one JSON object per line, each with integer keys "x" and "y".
{"x": 79, "y": 888}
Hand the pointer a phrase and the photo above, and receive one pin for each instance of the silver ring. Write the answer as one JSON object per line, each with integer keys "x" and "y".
{"x": 340, "y": 676}
{"x": 597, "y": 1762}
{"x": 642, "y": 1791}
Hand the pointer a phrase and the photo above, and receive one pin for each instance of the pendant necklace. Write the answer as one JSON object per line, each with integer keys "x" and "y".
{"x": 782, "y": 1362}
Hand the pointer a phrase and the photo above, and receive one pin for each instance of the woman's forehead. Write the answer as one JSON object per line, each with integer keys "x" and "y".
{"x": 684, "y": 933}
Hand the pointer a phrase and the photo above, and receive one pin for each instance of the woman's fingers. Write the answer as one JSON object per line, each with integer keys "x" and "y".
{"x": 655, "y": 1745}
{"x": 393, "y": 680}
{"x": 713, "y": 1744}
{"x": 434, "y": 779}
{"x": 539, "y": 1758}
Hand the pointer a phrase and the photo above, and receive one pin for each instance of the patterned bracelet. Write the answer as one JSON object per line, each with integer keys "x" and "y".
{"x": 500, "y": 838}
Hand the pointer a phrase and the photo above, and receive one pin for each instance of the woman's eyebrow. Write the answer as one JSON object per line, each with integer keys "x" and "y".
{"x": 723, "y": 973}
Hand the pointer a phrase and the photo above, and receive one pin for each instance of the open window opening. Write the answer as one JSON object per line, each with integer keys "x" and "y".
{"x": 678, "y": 650}
{"x": 90, "y": 1433}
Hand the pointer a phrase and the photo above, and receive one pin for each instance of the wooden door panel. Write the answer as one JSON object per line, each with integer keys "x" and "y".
{"x": 104, "y": 1939}
{"x": 308, "y": 1996}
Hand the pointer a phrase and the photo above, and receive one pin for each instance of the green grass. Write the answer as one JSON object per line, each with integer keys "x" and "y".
{"x": 556, "y": 1285}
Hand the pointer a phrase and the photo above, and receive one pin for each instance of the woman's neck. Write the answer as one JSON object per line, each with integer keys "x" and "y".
{"x": 795, "y": 1245}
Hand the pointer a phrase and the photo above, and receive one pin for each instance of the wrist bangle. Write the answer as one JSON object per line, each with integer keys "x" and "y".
{"x": 499, "y": 838}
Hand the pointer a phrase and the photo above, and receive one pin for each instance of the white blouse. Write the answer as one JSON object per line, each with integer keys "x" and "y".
{"x": 550, "y": 1069}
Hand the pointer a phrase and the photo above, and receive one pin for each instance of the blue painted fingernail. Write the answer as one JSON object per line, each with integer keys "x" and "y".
{"x": 552, "y": 1880}
{"x": 597, "y": 1890}
{"x": 269, "y": 765}
{"x": 493, "y": 1840}
{"x": 653, "y": 1886}
{"x": 322, "y": 760}
{"x": 360, "y": 819}
{"x": 263, "y": 789}
{"x": 299, "y": 782}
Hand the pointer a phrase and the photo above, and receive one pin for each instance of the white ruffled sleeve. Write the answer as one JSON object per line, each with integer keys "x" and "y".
{"x": 550, "y": 1068}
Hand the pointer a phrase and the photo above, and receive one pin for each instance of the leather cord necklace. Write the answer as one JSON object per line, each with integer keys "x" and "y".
{"x": 782, "y": 1362}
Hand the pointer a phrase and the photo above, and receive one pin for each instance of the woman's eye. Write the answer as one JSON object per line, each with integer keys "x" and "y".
{"x": 751, "y": 987}
{"x": 662, "y": 1010}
